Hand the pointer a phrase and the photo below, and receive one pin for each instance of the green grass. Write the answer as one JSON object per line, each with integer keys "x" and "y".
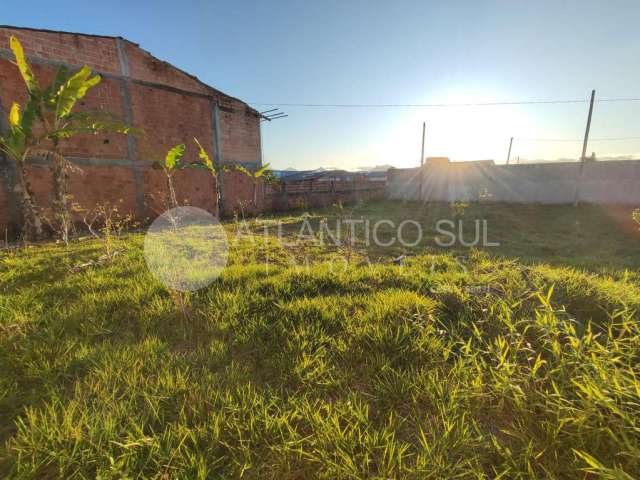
{"x": 513, "y": 362}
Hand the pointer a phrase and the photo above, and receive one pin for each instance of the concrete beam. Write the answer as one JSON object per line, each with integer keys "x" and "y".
{"x": 94, "y": 162}
{"x": 127, "y": 112}
{"x": 122, "y": 162}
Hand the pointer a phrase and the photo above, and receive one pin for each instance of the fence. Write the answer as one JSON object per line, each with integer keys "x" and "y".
{"x": 321, "y": 192}
{"x": 606, "y": 182}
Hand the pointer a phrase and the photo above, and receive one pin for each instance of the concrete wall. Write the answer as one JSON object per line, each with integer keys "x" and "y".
{"x": 610, "y": 182}
{"x": 170, "y": 106}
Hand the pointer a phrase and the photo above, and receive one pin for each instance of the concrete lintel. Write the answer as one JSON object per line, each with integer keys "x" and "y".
{"x": 125, "y": 162}
{"x": 251, "y": 164}
{"x": 94, "y": 162}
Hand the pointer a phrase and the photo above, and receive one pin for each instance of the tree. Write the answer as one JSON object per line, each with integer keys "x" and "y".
{"x": 54, "y": 109}
{"x": 264, "y": 173}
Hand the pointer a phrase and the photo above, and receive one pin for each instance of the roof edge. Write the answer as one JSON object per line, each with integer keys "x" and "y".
{"x": 115, "y": 37}
{"x": 47, "y": 30}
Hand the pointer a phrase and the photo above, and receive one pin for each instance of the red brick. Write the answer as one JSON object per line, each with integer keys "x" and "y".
{"x": 165, "y": 117}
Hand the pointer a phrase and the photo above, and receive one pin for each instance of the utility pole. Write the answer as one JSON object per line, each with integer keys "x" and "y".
{"x": 586, "y": 132}
{"x": 584, "y": 148}
{"x": 509, "y": 154}
{"x": 424, "y": 127}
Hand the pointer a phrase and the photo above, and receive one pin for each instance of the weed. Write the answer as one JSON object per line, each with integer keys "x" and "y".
{"x": 372, "y": 370}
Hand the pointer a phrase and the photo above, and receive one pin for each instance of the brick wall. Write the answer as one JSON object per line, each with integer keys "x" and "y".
{"x": 318, "y": 193}
{"x": 167, "y": 104}
{"x": 239, "y": 138}
{"x": 240, "y": 198}
{"x": 94, "y": 51}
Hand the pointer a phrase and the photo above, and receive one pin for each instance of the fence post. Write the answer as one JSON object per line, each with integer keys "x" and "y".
{"x": 424, "y": 127}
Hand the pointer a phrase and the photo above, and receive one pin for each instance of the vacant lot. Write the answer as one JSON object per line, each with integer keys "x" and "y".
{"x": 307, "y": 360}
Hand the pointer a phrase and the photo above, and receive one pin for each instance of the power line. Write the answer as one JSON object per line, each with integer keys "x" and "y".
{"x": 439, "y": 105}
{"x": 613, "y": 139}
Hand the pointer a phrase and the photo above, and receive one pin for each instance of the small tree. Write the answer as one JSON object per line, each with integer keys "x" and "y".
{"x": 205, "y": 162}
{"x": 54, "y": 109}
{"x": 264, "y": 173}
{"x": 173, "y": 163}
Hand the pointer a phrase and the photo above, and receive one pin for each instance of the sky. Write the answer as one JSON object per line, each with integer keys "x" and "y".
{"x": 394, "y": 52}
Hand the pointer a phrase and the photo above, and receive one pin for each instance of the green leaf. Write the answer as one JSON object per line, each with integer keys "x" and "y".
{"x": 14, "y": 115}
{"x": 258, "y": 173}
{"x": 594, "y": 464}
{"x": 173, "y": 157}
{"x": 25, "y": 70}
{"x": 204, "y": 156}
{"x": 74, "y": 89}
{"x": 196, "y": 165}
{"x": 91, "y": 123}
{"x": 28, "y": 116}
{"x": 51, "y": 92}
{"x": 15, "y": 143}
{"x": 241, "y": 169}
{"x": 8, "y": 146}
{"x": 101, "y": 120}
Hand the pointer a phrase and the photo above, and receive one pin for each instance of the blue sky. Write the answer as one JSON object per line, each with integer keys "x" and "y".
{"x": 402, "y": 52}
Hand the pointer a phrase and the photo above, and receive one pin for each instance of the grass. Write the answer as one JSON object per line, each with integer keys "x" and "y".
{"x": 518, "y": 361}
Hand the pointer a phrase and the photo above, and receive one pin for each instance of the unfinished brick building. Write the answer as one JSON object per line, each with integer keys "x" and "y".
{"x": 169, "y": 105}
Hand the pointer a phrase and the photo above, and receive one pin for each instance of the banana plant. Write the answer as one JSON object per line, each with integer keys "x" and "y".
{"x": 54, "y": 109}
{"x": 173, "y": 163}
{"x": 17, "y": 145}
{"x": 205, "y": 162}
{"x": 264, "y": 173}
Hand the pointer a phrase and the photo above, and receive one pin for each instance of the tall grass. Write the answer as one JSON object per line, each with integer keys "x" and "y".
{"x": 476, "y": 367}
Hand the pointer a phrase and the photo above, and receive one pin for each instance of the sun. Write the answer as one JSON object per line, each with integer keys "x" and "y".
{"x": 458, "y": 132}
